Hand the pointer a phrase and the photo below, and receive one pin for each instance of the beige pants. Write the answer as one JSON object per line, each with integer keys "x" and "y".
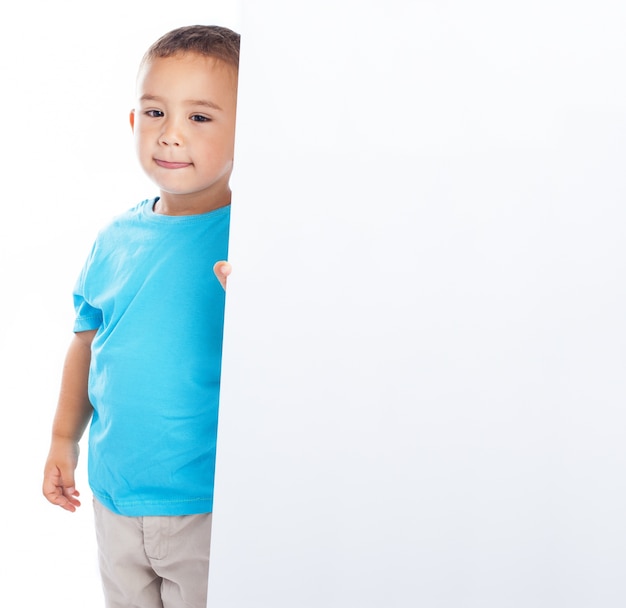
{"x": 153, "y": 562}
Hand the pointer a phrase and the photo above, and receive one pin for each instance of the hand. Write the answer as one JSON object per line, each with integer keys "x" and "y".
{"x": 58, "y": 479}
{"x": 222, "y": 270}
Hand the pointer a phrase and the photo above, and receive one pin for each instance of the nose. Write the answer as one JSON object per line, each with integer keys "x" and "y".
{"x": 171, "y": 135}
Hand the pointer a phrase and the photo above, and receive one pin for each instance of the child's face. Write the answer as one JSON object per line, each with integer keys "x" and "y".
{"x": 184, "y": 126}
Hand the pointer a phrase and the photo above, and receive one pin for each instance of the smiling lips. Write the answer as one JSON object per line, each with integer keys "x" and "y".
{"x": 170, "y": 165}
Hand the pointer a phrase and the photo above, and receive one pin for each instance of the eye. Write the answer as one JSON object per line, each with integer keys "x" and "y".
{"x": 200, "y": 118}
{"x": 154, "y": 113}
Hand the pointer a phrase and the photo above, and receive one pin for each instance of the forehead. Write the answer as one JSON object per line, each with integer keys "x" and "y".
{"x": 187, "y": 75}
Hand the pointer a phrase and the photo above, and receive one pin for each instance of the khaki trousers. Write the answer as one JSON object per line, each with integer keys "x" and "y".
{"x": 153, "y": 562}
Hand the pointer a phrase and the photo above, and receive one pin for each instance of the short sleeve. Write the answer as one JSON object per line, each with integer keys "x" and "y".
{"x": 87, "y": 316}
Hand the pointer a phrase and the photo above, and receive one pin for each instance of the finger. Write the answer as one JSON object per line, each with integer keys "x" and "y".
{"x": 71, "y": 502}
{"x": 57, "y": 497}
{"x": 68, "y": 488}
{"x": 66, "y": 481}
{"x": 222, "y": 269}
{"x": 56, "y": 492}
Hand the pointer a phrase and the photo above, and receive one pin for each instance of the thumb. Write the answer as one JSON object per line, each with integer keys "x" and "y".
{"x": 66, "y": 481}
{"x": 61, "y": 478}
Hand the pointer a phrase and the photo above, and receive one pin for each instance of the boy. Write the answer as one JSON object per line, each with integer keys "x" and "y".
{"x": 144, "y": 364}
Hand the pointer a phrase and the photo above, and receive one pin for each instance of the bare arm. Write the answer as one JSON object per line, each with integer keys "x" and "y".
{"x": 72, "y": 416}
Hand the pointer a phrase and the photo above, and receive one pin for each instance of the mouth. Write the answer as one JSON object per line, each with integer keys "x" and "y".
{"x": 170, "y": 165}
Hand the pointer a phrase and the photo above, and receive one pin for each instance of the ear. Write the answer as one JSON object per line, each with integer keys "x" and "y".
{"x": 132, "y": 120}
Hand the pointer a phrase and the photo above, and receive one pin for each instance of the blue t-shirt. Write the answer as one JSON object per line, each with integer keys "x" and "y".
{"x": 149, "y": 289}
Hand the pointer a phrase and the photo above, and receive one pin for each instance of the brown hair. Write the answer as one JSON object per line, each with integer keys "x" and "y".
{"x": 208, "y": 40}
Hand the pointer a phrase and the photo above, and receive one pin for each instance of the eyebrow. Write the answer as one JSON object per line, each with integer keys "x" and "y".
{"x": 192, "y": 102}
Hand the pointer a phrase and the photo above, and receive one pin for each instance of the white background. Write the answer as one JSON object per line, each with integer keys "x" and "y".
{"x": 424, "y": 360}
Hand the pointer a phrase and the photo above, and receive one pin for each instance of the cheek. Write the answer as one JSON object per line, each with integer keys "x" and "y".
{"x": 141, "y": 140}
{"x": 227, "y": 145}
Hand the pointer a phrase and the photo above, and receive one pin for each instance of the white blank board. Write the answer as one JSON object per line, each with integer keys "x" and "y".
{"x": 423, "y": 376}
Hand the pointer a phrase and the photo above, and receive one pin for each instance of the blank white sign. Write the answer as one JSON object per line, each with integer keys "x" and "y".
{"x": 423, "y": 376}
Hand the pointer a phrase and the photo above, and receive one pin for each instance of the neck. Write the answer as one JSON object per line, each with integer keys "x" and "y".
{"x": 188, "y": 204}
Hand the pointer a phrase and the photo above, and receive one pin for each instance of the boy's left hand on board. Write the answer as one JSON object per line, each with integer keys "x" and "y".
{"x": 222, "y": 270}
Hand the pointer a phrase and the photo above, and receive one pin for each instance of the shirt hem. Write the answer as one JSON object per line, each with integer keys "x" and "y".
{"x": 149, "y": 508}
